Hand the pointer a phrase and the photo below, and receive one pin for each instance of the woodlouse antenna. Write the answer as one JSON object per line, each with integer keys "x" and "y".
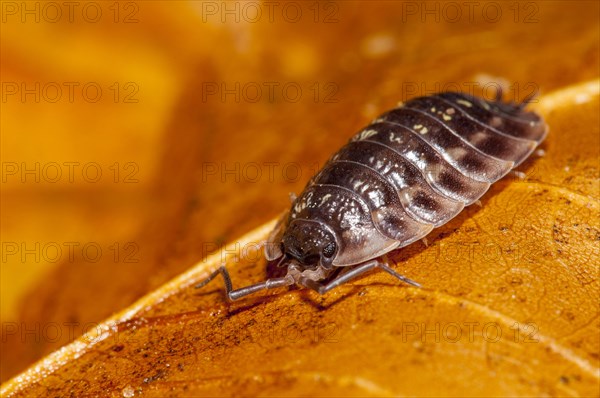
{"x": 305, "y": 281}
{"x": 499, "y": 93}
{"x": 283, "y": 258}
{"x": 235, "y": 294}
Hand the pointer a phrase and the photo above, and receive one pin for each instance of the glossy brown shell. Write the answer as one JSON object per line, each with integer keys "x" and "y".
{"x": 415, "y": 168}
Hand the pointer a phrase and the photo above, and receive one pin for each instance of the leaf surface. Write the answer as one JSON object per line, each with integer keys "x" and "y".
{"x": 509, "y": 306}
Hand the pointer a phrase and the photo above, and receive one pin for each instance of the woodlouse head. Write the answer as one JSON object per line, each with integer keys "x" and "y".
{"x": 310, "y": 243}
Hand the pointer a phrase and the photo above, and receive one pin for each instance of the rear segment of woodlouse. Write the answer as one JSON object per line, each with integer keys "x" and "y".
{"x": 414, "y": 168}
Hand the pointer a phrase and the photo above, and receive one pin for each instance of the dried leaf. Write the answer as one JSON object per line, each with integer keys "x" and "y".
{"x": 509, "y": 306}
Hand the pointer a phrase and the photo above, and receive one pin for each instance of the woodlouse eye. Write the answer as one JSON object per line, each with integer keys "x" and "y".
{"x": 329, "y": 250}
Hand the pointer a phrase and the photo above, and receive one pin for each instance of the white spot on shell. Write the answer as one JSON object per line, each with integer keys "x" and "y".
{"x": 450, "y": 111}
{"x": 465, "y": 103}
{"x": 496, "y": 121}
{"x": 366, "y": 134}
{"x": 456, "y": 153}
{"x": 478, "y": 137}
{"x": 416, "y": 159}
{"x": 360, "y": 186}
{"x": 325, "y": 199}
{"x": 420, "y": 128}
{"x": 376, "y": 198}
{"x": 301, "y": 205}
{"x": 393, "y": 138}
{"x": 446, "y": 117}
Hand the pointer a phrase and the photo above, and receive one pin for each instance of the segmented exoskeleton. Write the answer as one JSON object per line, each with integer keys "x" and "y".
{"x": 412, "y": 169}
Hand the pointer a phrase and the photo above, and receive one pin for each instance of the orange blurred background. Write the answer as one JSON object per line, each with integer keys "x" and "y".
{"x": 121, "y": 120}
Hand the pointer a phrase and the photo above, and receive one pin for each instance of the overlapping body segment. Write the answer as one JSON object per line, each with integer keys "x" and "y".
{"x": 482, "y": 136}
{"x": 412, "y": 169}
{"x": 415, "y": 194}
{"x": 438, "y": 172}
{"x": 462, "y": 155}
{"x": 383, "y": 201}
{"x": 416, "y": 167}
{"x": 509, "y": 118}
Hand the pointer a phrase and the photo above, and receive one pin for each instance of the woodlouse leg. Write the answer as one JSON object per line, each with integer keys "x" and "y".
{"x": 235, "y": 294}
{"x": 404, "y": 279}
{"x": 351, "y": 274}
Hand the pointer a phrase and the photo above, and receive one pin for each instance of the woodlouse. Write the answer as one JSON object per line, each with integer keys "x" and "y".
{"x": 412, "y": 169}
